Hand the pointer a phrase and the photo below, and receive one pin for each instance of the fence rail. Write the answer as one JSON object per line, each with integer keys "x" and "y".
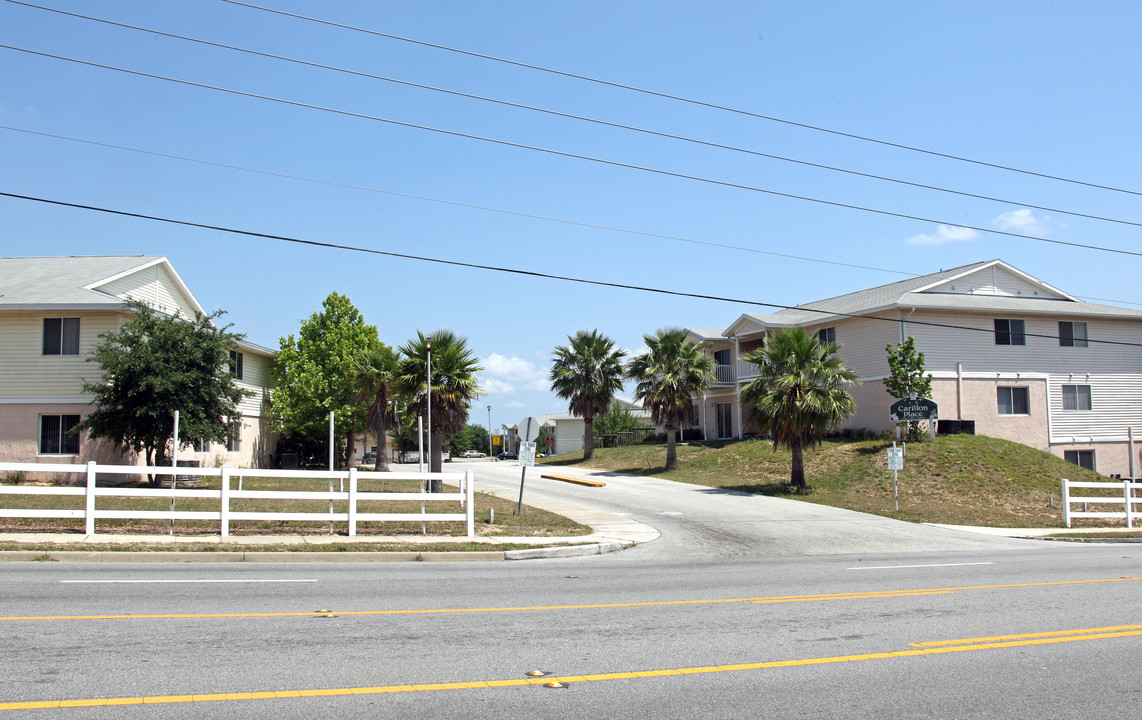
{"x": 226, "y": 493}
{"x": 1126, "y": 499}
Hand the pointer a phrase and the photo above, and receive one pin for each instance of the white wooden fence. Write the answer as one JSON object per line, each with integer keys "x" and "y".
{"x": 1126, "y": 500}
{"x": 226, "y": 493}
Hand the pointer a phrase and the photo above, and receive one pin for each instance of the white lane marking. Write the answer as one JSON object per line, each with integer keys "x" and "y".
{"x": 670, "y": 513}
{"x": 112, "y": 582}
{"x": 899, "y": 567}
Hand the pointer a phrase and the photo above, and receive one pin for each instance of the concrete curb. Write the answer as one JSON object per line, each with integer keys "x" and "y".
{"x": 238, "y": 556}
{"x": 564, "y": 552}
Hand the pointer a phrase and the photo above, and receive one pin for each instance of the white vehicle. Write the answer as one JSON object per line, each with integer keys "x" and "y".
{"x": 472, "y": 454}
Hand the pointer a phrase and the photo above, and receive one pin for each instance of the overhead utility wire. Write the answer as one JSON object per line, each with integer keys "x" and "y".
{"x": 583, "y": 118}
{"x": 689, "y": 101}
{"x": 517, "y": 271}
{"x": 594, "y": 226}
{"x": 472, "y": 206}
{"x": 560, "y": 153}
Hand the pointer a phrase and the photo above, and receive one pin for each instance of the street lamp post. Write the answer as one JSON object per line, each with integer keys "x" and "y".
{"x": 428, "y": 347}
{"x": 490, "y": 431}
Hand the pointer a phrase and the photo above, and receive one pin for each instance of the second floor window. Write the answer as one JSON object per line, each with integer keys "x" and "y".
{"x": 1010, "y": 332}
{"x": 722, "y": 357}
{"x": 1072, "y": 334}
{"x": 1076, "y": 397}
{"x": 827, "y": 335}
{"x": 61, "y": 336}
{"x": 236, "y": 364}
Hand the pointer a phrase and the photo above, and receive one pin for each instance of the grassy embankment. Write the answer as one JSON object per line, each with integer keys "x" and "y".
{"x": 958, "y": 480}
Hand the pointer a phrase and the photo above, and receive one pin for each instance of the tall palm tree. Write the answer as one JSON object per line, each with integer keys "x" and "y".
{"x": 586, "y": 372}
{"x": 670, "y": 375}
{"x": 800, "y": 393}
{"x": 454, "y": 387}
{"x": 376, "y": 375}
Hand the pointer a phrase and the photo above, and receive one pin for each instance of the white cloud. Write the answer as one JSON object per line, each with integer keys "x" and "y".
{"x": 505, "y": 375}
{"x": 1023, "y": 222}
{"x": 514, "y": 404}
{"x": 944, "y": 234}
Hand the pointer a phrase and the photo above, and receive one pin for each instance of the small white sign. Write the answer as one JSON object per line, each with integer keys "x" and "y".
{"x": 527, "y": 454}
{"x": 895, "y": 458}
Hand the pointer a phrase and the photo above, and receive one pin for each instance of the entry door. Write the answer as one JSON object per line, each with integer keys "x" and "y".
{"x": 725, "y": 421}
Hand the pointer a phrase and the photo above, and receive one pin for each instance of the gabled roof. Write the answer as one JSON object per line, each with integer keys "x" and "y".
{"x": 991, "y": 285}
{"x": 77, "y": 282}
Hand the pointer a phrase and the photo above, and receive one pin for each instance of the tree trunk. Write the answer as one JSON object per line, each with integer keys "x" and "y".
{"x": 588, "y": 438}
{"x": 671, "y": 450}
{"x": 434, "y": 462}
{"x": 350, "y": 446}
{"x": 797, "y": 478}
{"x": 149, "y": 459}
{"x": 382, "y": 463}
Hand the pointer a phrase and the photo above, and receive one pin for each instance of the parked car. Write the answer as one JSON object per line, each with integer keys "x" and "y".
{"x": 472, "y": 454}
{"x": 508, "y": 456}
{"x": 445, "y": 456}
{"x": 369, "y": 459}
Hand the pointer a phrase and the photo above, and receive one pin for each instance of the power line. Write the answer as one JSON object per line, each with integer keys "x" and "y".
{"x": 472, "y": 206}
{"x": 582, "y": 118}
{"x": 689, "y": 101}
{"x": 516, "y": 271}
{"x": 560, "y": 153}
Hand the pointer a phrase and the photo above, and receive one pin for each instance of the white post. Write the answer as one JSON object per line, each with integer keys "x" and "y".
{"x": 352, "y": 501}
{"x": 331, "y": 467}
{"x": 224, "y": 515}
{"x": 1129, "y": 510}
{"x": 1130, "y": 435}
{"x": 429, "y": 391}
{"x": 420, "y": 444}
{"x": 1066, "y": 503}
{"x": 174, "y": 466}
{"x": 895, "y": 496}
{"x": 469, "y": 492}
{"x": 89, "y": 505}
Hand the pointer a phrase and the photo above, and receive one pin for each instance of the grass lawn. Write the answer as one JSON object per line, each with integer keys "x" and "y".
{"x": 958, "y": 480}
{"x": 532, "y": 523}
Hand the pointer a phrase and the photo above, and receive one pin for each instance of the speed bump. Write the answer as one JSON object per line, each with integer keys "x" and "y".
{"x": 575, "y": 480}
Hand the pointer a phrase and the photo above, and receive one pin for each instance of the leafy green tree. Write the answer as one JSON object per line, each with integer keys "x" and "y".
{"x": 800, "y": 393}
{"x": 472, "y": 437}
{"x": 316, "y": 374}
{"x": 376, "y": 375}
{"x": 906, "y": 365}
{"x": 617, "y": 419}
{"x": 670, "y": 375}
{"x": 154, "y": 365}
{"x": 587, "y": 372}
{"x": 454, "y": 386}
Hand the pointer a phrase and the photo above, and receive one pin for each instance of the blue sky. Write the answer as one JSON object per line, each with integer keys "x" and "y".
{"x": 1049, "y": 88}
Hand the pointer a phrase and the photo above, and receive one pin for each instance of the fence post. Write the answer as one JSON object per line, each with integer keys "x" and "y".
{"x": 1066, "y": 503}
{"x": 352, "y": 501}
{"x": 1129, "y": 510}
{"x": 89, "y": 505}
{"x": 225, "y": 511}
{"x": 470, "y": 511}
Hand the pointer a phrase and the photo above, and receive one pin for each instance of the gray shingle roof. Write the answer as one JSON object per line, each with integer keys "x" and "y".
{"x": 61, "y": 281}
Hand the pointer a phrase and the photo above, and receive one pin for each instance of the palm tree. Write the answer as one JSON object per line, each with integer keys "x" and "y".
{"x": 586, "y": 372}
{"x": 376, "y": 374}
{"x": 454, "y": 387}
{"x": 670, "y": 375}
{"x": 799, "y": 394}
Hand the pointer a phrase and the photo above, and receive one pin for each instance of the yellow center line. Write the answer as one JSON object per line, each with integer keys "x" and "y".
{"x": 1024, "y": 636}
{"x": 532, "y": 608}
{"x": 985, "y": 643}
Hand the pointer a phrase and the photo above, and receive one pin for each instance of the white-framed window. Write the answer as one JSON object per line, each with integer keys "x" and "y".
{"x": 722, "y": 357}
{"x": 1013, "y": 400}
{"x": 827, "y": 335}
{"x": 55, "y": 435}
{"x": 234, "y": 437}
{"x": 1072, "y": 334}
{"x": 1010, "y": 332}
{"x": 61, "y": 336}
{"x": 236, "y": 364}
{"x": 1082, "y": 458}
{"x": 1076, "y": 397}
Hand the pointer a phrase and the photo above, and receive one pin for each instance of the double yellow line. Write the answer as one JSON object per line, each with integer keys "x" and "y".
{"x": 926, "y": 648}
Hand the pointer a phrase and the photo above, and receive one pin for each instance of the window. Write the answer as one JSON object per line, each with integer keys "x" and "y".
{"x": 61, "y": 336}
{"x": 1076, "y": 397}
{"x": 234, "y": 437}
{"x": 725, "y": 421}
{"x": 1013, "y": 401}
{"x": 55, "y": 435}
{"x": 1082, "y": 458}
{"x": 200, "y": 445}
{"x": 236, "y": 364}
{"x": 1010, "y": 332}
{"x": 827, "y": 335}
{"x": 1072, "y": 334}
{"x": 722, "y": 357}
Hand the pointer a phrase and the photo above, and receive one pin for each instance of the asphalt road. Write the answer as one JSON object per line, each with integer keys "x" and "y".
{"x": 741, "y": 609}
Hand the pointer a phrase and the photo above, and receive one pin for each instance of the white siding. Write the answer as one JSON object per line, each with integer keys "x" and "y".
{"x": 256, "y": 378}
{"x": 862, "y": 344}
{"x": 153, "y": 286}
{"x": 992, "y": 281}
{"x": 25, "y": 372}
{"x": 1116, "y": 403}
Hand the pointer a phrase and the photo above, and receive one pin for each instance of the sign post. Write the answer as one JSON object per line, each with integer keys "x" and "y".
{"x": 895, "y": 463}
{"x": 528, "y": 431}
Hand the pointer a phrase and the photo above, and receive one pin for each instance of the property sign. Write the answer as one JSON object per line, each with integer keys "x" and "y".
{"x": 527, "y": 454}
{"x": 910, "y": 410}
{"x": 895, "y": 458}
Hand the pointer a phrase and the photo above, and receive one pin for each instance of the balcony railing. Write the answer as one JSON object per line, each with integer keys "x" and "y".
{"x": 748, "y": 369}
{"x": 724, "y": 374}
